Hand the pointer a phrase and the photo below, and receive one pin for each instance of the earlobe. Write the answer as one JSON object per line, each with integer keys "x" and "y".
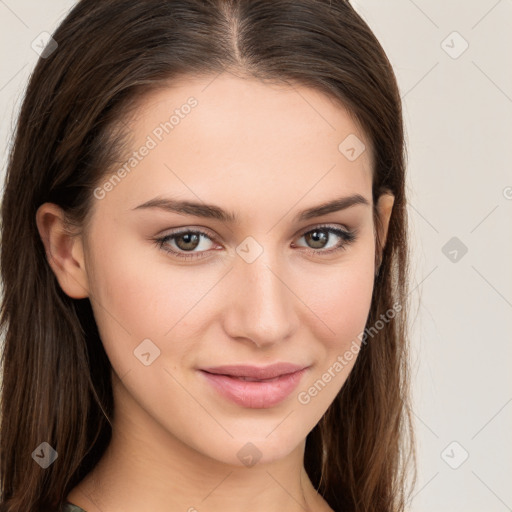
{"x": 64, "y": 251}
{"x": 384, "y": 208}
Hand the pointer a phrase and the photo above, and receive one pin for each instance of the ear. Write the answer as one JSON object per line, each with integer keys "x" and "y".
{"x": 64, "y": 251}
{"x": 384, "y": 208}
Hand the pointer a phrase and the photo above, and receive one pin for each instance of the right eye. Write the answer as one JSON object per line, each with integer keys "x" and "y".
{"x": 185, "y": 241}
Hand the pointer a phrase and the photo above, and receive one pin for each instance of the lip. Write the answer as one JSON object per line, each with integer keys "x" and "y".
{"x": 259, "y": 394}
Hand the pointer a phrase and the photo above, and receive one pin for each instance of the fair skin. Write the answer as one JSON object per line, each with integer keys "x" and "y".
{"x": 265, "y": 153}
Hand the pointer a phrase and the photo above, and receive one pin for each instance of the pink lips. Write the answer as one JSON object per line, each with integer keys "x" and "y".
{"x": 267, "y": 385}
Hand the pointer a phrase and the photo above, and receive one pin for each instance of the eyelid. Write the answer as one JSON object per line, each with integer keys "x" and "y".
{"x": 322, "y": 225}
{"x": 187, "y": 229}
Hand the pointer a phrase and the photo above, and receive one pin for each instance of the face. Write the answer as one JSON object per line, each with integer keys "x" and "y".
{"x": 177, "y": 291}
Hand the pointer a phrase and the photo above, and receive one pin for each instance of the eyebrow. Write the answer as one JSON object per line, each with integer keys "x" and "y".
{"x": 211, "y": 211}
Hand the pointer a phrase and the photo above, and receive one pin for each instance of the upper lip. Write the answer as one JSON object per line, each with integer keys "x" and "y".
{"x": 256, "y": 372}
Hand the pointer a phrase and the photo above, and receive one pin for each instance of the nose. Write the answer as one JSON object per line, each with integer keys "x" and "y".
{"x": 262, "y": 306}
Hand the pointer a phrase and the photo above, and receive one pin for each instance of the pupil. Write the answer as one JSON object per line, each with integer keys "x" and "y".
{"x": 318, "y": 236}
{"x": 190, "y": 238}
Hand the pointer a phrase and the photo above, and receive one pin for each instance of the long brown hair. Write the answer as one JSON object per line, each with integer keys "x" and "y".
{"x": 56, "y": 384}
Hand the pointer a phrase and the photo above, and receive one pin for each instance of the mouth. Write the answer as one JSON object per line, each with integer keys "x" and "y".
{"x": 255, "y": 372}
{"x": 254, "y": 392}
{"x": 250, "y": 379}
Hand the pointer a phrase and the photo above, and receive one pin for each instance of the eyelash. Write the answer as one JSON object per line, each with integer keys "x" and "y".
{"x": 348, "y": 237}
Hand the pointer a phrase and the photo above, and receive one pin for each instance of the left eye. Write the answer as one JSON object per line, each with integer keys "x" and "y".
{"x": 188, "y": 240}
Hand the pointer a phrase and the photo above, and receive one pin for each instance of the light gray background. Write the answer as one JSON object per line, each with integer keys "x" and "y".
{"x": 458, "y": 114}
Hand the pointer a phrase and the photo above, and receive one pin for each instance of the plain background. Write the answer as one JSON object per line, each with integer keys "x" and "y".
{"x": 458, "y": 113}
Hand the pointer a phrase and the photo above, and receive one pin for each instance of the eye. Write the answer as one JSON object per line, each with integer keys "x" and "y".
{"x": 186, "y": 241}
{"x": 319, "y": 237}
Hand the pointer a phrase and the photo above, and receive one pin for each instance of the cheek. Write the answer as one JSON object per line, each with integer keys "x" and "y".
{"x": 127, "y": 296}
{"x": 131, "y": 283}
{"x": 139, "y": 295}
{"x": 340, "y": 297}
{"x": 341, "y": 305}
{"x": 347, "y": 304}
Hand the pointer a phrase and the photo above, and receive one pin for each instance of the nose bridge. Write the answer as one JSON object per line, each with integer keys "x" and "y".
{"x": 262, "y": 306}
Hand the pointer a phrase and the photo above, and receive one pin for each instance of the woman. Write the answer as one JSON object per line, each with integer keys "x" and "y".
{"x": 204, "y": 264}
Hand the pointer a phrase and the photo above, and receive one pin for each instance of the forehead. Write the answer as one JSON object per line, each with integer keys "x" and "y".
{"x": 227, "y": 136}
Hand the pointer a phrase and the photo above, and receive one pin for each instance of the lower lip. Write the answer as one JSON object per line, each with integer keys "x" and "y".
{"x": 255, "y": 395}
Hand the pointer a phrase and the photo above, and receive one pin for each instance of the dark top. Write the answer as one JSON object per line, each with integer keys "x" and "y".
{"x": 69, "y": 507}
